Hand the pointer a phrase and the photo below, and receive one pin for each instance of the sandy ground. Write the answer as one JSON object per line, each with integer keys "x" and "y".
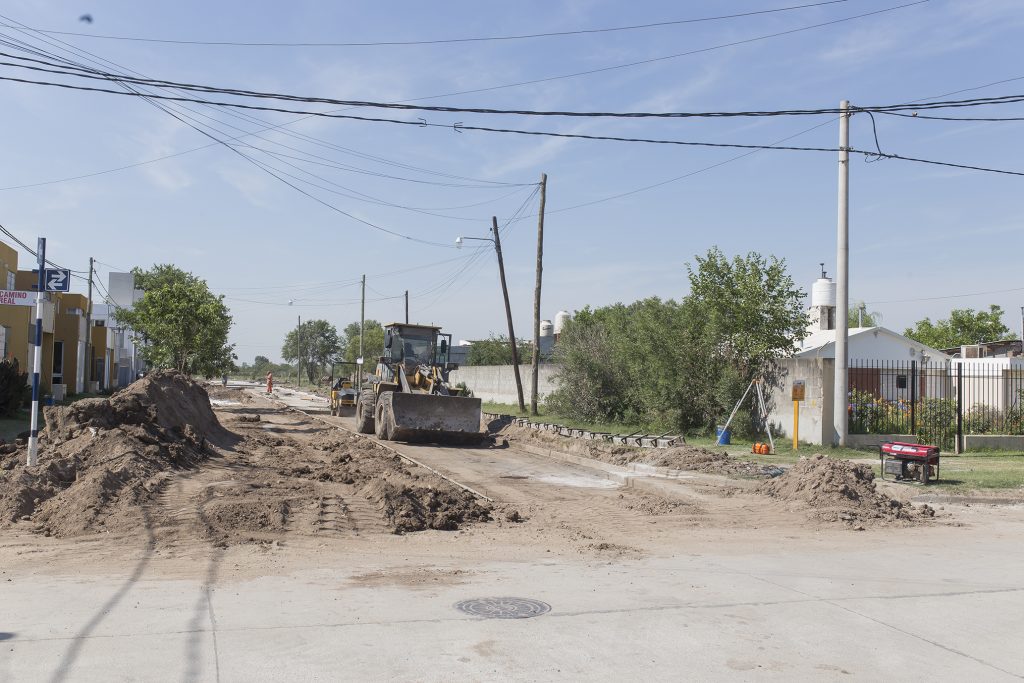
{"x": 698, "y": 577}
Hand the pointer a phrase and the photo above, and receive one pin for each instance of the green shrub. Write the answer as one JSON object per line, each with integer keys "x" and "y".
{"x": 14, "y": 389}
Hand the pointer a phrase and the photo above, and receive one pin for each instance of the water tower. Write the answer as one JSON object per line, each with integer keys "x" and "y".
{"x": 822, "y": 314}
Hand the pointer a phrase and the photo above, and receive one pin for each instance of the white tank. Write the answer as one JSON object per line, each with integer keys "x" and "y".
{"x": 561, "y": 318}
{"x": 823, "y": 293}
{"x": 546, "y": 328}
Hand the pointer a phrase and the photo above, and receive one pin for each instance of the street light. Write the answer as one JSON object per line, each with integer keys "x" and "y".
{"x": 458, "y": 242}
{"x": 496, "y": 241}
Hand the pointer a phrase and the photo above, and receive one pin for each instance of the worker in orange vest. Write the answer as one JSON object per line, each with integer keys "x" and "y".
{"x": 270, "y": 382}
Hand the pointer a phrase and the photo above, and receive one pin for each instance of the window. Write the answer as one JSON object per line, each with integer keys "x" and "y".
{"x": 10, "y": 280}
{"x": 901, "y": 381}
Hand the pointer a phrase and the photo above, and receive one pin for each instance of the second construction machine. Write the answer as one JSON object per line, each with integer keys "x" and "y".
{"x": 411, "y": 398}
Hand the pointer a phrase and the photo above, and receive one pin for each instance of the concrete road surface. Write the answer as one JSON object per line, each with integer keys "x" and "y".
{"x": 738, "y": 604}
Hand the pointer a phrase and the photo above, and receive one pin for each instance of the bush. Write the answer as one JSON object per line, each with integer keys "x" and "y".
{"x": 14, "y": 389}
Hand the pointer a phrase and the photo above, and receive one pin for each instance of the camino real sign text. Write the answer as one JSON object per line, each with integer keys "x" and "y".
{"x": 10, "y": 297}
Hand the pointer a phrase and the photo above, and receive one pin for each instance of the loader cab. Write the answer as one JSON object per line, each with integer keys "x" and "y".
{"x": 414, "y": 345}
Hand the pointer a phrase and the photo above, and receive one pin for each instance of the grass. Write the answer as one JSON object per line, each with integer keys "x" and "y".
{"x": 976, "y": 471}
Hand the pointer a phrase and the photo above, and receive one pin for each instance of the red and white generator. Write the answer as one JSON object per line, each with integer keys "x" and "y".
{"x": 909, "y": 461}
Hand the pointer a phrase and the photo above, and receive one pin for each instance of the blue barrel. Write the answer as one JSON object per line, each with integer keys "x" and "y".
{"x": 48, "y": 400}
{"x": 723, "y": 435}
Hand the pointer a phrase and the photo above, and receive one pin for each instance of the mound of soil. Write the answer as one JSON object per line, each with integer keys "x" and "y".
{"x": 840, "y": 491}
{"x": 409, "y": 501}
{"x": 689, "y": 458}
{"x": 100, "y": 458}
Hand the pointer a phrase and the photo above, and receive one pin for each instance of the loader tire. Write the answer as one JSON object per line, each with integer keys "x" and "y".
{"x": 384, "y": 423}
{"x": 365, "y": 408}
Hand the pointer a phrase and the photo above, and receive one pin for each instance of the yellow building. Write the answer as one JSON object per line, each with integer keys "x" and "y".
{"x": 65, "y": 334}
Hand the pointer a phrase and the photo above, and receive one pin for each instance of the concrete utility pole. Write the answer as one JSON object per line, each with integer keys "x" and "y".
{"x": 536, "y": 294}
{"x": 362, "y": 322}
{"x": 88, "y": 332}
{"x": 37, "y": 358}
{"x": 508, "y": 315}
{"x": 842, "y": 378}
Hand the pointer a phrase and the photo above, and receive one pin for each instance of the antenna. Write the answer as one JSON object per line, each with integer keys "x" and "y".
{"x": 823, "y": 274}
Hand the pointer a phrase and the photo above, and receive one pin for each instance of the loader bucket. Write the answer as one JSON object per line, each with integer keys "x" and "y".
{"x": 431, "y": 418}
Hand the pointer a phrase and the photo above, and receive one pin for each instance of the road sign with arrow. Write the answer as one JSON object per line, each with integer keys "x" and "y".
{"x": 58, "y": 280}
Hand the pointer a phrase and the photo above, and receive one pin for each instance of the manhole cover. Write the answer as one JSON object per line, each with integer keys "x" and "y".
{"x": 503, "y": 608}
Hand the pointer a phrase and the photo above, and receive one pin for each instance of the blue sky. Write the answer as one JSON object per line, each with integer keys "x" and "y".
{"x": 917, "y": 232}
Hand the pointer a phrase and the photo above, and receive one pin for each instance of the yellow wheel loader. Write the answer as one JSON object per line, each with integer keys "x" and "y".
{"x": 410, "y": 398}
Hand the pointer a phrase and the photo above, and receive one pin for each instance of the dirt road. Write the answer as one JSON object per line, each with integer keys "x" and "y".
{"x": 267, "y": 563}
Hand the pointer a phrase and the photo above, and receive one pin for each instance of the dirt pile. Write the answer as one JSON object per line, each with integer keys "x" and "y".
{"x": 690, "y": 458}
{"x": 409, "y": 500}
{"x": 840, "y": 491}
{"x": 101, "y": 459}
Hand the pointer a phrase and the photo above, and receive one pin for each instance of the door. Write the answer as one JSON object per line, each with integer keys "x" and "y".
{"x": 58, "y": 363}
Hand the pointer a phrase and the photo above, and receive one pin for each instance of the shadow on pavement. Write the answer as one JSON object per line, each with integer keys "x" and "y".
{"x": 67, "y": 661}
{"x": 203, "y": 609}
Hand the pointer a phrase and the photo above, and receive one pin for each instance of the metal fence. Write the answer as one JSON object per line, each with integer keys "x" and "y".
{"x": 937, "y": 402}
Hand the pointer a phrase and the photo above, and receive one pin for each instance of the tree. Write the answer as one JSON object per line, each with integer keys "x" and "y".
{"x": 260, "y": 365}
{"x": 860, "y": 316}
{"x": 314, "y": 344}
{"x": 680, "y": 365}
{"x": 179, "y": 323}
{"x": 496, "y": 350}
{"x": 373, "y": 343}
{"x": 964, "y": 326}
{"x": 749, "y": 307}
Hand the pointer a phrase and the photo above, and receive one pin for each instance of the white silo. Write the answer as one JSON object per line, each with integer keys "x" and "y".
{"x": 561, "y": 318}
{"x": 547, "y": 337}
{"x": 822, "y": 312}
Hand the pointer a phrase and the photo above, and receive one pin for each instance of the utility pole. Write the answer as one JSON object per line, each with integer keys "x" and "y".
{"x": 298, "y": 352}
{"x": 88, "y": 332}
{"x": 362, "y": 322}
{"x": 842, "y": 379}
{"x": 37, "y": 359}
{"x": 407, "y": 307}
{"x": 508, "y": 314}
{"x": 536, "y": 293}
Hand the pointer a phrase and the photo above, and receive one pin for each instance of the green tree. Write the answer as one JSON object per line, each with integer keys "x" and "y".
{"x": 963, "y": 326}
{"x": 748, "y": 307}
{"x": 261, "y": 364}
{"x": 373, "y": 343}
{"x": 680, "y": 365}
{"x": 860, "y": 316}
{"x": 314, "y": 344}
{"x": 179, "y": 323}
{"x": 496, "y": 350}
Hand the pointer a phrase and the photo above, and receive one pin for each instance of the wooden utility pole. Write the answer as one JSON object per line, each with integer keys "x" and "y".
{"x": 407, "y": 307}
{"x": 536, "y": 294}
{"x": 508, "y": 314}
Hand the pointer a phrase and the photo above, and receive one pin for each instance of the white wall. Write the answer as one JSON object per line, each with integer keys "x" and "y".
{"x": 497, "y": 383}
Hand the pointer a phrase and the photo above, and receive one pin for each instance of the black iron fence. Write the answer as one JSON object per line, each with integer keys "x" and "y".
{"x": 937, "y": 402}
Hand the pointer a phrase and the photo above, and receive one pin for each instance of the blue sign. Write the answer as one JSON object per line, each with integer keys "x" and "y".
{"x": 58, "y": 280}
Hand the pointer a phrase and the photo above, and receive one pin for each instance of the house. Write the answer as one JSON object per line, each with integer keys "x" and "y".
{"x": 66, "y": 339}
{"x": 1003, "y": 348}
{"x": 125, "y": 362}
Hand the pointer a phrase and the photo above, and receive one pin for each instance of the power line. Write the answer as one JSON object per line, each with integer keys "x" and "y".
{"x": 949, "y": 296}
{"x": 463, "y": 127}
{"x": 439, "y": 41}
{"x": 94, "y": 74}
{"x": 668, "y": 57}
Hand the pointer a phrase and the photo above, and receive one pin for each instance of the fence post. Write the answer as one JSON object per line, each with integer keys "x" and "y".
{"x": 959, "y": 408}
{"x": 913, "y": 397}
